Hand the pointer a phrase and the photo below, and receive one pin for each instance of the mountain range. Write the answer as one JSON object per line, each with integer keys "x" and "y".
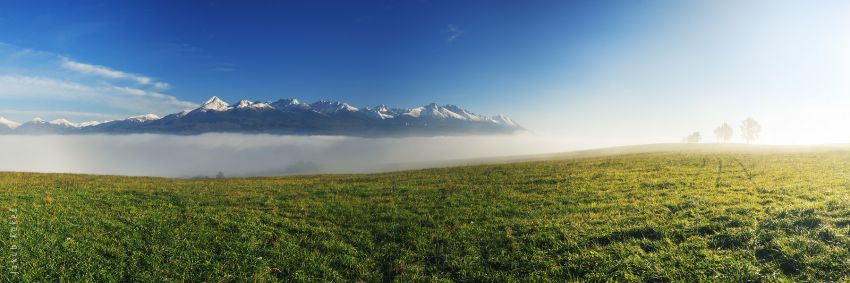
{"x": 286, "y": 116}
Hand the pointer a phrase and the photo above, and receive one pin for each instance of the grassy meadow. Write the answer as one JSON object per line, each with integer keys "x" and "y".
{"x": 693, "y": 215}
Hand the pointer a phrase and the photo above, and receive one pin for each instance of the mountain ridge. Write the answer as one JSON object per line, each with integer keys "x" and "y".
{"x": 287, "y": 116}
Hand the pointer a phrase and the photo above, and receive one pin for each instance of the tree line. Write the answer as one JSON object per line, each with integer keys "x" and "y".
{"x": 750, "y": 130}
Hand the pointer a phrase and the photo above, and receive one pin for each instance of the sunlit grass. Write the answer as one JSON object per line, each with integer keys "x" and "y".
{"x": 685, "y": 216}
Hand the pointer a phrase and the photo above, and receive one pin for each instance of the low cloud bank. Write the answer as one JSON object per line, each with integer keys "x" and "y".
{"x": 251, "y": 155}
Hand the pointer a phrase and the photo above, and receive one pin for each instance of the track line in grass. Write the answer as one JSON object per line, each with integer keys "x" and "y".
{"x": 746, "y": 171}
{"x": 719, "y": 172}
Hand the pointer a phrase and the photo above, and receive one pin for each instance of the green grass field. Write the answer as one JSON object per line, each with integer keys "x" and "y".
{"x": 764, "y": 215}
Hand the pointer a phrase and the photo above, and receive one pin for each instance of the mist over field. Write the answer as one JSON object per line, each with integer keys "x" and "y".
{"x": 251, "y": 155}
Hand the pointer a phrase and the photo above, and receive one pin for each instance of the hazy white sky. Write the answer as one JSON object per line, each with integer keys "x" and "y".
{"x": 702, "y": 63}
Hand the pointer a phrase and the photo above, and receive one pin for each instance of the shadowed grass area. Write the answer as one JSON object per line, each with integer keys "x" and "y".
{"x": 676, "y": 216}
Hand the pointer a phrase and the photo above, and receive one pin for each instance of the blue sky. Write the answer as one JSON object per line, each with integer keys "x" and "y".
{"x": 594, "y": 72}
{"x": 403, "y": 53}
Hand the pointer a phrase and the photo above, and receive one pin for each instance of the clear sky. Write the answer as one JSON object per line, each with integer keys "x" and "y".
{"x": 594, "y": 73}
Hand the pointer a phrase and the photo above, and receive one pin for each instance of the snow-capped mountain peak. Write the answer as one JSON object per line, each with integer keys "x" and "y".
{"x": 143, "y": 118}
{"x": 328, "y": 107}
{"x": 465, "y": 113}
{"x": 504, "y": 120}
{"x": 9, "y": 123}
{"x": 89, "y": 124}
{"x": 260, "y": 105}
{"x": 414, "y": 112}
{"x": 286, "y": 103}
{"x": 246, "y": 104}
{"x": 381, "y": 112}
{"x": 433, "y": 111}
{"x": 444, "y": 112}
{"x": 243, "y": 103}
{"x": 64, "y": 123}
{"x": 214, "y": 104}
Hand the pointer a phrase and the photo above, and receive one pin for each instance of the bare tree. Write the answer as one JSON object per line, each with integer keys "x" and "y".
{"x": 695, "y": 137}
{"x": 750, "y": 129}
{"x": 724, "y": 133}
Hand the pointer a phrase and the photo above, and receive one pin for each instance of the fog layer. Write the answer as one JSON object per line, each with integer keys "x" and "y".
{"x": 251, "y": 155}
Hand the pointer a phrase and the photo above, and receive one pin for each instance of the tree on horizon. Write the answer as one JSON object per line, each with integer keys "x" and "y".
{"x": 695, "y": 137}
{"x": 724, "y": 133}
{"x": 750, "y": 129}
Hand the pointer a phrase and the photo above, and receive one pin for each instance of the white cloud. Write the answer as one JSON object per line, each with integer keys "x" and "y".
{"x": 92, "y": 69}
{"x": 24, "y": 86}
{"x": 48, "y": 90}
{"x": 58, "y": 85}
{"x": 454, "y": 32}
{"x": 109, "y": 73}
{"x": 51, "y": 113}
{"x": 143, "y": 93}
{"x": 142, "y": 80}
{"x": 161, "y": 85}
